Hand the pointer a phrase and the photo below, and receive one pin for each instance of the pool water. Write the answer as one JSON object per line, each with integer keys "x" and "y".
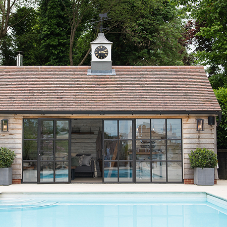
{"x": 113, "y": 210}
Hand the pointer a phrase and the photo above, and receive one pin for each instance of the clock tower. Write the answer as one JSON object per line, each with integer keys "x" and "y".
{"x": 101, "y": 62}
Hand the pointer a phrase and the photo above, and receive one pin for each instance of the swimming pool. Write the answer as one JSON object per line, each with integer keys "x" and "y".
{"x": 112, "y": 210}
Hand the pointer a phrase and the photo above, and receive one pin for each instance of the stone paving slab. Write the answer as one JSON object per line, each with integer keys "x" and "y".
{"x": 220, "y": 189}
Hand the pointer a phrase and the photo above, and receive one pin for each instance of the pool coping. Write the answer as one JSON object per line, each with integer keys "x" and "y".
{"x": 218, "y": 191}
{"x": 214, "y": 201}
{"x": 119, "y": 193}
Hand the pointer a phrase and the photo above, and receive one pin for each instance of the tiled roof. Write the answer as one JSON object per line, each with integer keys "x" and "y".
{"x": 70, "y": 89}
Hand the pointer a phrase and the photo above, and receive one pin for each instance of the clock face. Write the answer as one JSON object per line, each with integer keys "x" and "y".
{"x": 101, "y": 52}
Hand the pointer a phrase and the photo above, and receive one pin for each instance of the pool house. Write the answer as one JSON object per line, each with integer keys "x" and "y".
{"x": 121, "y": 125}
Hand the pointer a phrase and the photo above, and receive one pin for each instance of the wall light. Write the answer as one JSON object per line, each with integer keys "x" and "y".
{"x": 200, "y": 123}
{"x": 4, "y": 125}
{"x": 211, "y": 120}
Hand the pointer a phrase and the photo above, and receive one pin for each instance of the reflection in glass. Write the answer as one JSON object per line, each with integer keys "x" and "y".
{"x": 110, "y": 129}
{"x": 46, "y": 172}
{"x": 142, "y": 149}
{"x": 125, "y": 150}
{"x": 61, "y": 150}
{"x": 30, "y": 150}
{"x": 46, "y": 150}
{"x": 143, "y": 128}
{"x": 30, "y": 128}
{"x": 158, "y": 171}
{"x": 29, "y": 171}
{"x": 174, "y": 150}
{"x": 173, "y": 128}
{"x": 125, "y": 171}
{"x": 125, "y": 129}
{"x": 110, "y": 172}
{"x": 62, "y": 130}
{"x": 158, "y": 149}
{"x": 61, "y": 172}
{"x": 47, "y": 130}
{"x": 174, "y": 171}
{"x": 158, "y": 130}
{"x": 110, "y": 149}
{"x": 143, "y": 173}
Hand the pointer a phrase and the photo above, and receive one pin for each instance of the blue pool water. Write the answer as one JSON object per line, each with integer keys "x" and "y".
{"x": 112, "y": 210}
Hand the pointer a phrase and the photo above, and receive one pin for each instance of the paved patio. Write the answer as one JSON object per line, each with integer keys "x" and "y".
{"x": 220, "y": 189}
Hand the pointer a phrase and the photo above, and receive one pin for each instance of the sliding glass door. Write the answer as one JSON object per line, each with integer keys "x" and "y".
{"x": 142, "y": 151}
{"x": 158, "y": 150}
{"x": 53, "y": 151}
{"x": 117, "y": 147}
{"x": 46, "y": 146}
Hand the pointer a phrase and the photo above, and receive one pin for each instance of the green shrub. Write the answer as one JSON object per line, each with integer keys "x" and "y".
{"x": 6, "y": 157}
{"x": 203, "y": 158}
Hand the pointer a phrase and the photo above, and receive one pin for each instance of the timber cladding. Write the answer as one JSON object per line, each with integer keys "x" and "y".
{"x": 13, "y": 140}
{"x": 193, "y": 139}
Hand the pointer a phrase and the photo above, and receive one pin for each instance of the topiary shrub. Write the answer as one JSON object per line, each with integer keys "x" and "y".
{"x": 203, "y": 158}
{"x": 6, "y": 157}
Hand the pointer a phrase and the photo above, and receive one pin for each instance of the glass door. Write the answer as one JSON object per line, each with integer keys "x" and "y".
{"x": 53, "y": 151}
{"x": 159, "y": 151}
{"x": 117, "y": 149}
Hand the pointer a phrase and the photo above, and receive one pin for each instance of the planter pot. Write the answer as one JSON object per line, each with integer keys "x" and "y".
{"x": 5, "y": 176}
{"x": 204, "y": 176}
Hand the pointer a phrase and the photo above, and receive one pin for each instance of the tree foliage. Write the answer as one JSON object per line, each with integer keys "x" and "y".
{"x": 6, "y": 7}
{"x": 59, "y": 32}
{"x": 7, "y": 51}
{"x": 55, "y": 31}
{"x": 146, "y": 32}
{"x": 6, "y": 157}
{"x": 221, "y": 95}
{"x": 202, "y": 158}
{"x": 80, "y": 13}
{"x": 26, "y": 33}
{"x": 212, "y": 35}
{"x": 208, "y": 32}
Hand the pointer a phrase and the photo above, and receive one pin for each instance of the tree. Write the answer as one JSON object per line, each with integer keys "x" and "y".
{"x": 6, "y": 7}
{"x": 26, "y": 33}
{"x": 145, "y": 32}
{"x": 8, "y": 55}
{"x": 221, "y": 95}
{"x": 55, "y": 31}
{"x": 209, "y": 31}
{"x": 212, "y": 48}
{"x": 80, "y": 14}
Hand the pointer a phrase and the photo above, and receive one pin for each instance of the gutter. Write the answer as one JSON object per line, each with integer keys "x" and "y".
{"x": 101, "y": 112}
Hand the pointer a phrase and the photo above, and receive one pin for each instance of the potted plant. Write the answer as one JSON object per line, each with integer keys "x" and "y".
{"x": 203, "y": 161}
{"x": 6, "y": 160}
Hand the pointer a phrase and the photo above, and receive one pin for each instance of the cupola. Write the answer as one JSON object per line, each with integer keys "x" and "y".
{"x": 101, "y": 62}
